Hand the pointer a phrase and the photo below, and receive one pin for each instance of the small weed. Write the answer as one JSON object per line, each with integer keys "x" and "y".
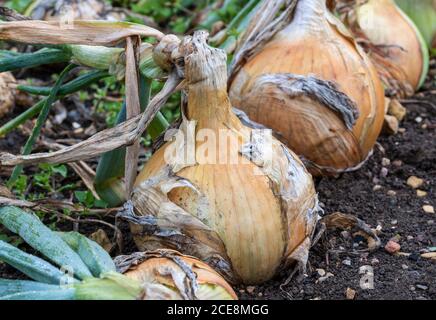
{"x": 87, "y": 199}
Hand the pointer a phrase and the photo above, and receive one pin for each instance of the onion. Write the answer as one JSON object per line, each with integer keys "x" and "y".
{"x": 246, "y": 209}
{"x": 314, "y": 118}
{"x": 168, "y": 275}
{"x": 396, "y": 45}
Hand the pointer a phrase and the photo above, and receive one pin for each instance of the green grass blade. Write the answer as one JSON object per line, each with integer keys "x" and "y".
{"x": 11, "y": 287}
{"x": 42, "y": 239}
{"x": 110, "y": 172}
{"x": 81, "y": 82}
{"x": 157, "y": 126}
{"x": 159, "y": 123}
{"x": 238, "y": 24}
{"x": 33, "y": 267}
{"x": 40, "y": 121}
{"x": 95, "y": 257}
{"x": 31, "y": 60}
{"x": 19, "y": 120}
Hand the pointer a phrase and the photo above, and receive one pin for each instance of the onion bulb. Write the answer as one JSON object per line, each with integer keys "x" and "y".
{"x": 395, "y": 45}
{"x": 240, "y": 201}
{"x": 314, "y": 118}
{"x": 168, "y": 275}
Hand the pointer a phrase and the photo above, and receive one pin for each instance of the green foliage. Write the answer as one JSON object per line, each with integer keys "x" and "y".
{"x": 18, "y": 5}
{"x": 45, "y": 178}
{"x": 87, "y": 199}
{"x": 103, "y": 106}
{"x": 20, "y": 185}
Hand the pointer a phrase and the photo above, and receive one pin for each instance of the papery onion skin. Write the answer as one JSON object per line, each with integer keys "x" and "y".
{"x": 240, "y": 217}
{"x": 210, "y": 285}
{"x": 386, "y": 25}
{"x": 315, "y": 43}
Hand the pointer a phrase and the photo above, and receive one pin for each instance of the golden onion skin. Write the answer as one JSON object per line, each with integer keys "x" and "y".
{"x": 384, "y": 24}
{"x": 211, "y": 286}
{"x": 315, "y": 43}
{"x": 256, "y": 222}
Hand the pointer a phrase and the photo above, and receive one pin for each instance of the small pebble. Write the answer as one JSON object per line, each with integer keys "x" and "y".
{"x": 415, "y": 182}
{"x": 421, "y": 287}
{"x": 386, "y": 162}
{"x": 328, "y": 275}
{"x": 375, "y": 261}
{"x": 392, "y": 193}
{"x": 384, "y": 172}
{"x": 410, "y": 238}
{"x": 394, "y": 222}
{"x": 377, "y": 187}
{"x": 418, "y": 119}
{"x": 260, "y": 294}
{"x": 250, "y": 289}
{"x": 421, "y": 194}
{"x": 321, "y": 272}
{"x": 430, "y": 255}
{"x": 76, "y": 125}
{"x": 350, "y": 294}
{"x": 397, "y": 163}
{"x": 430, "y": 222}
{"x": 392, "y": 247}
{"x": 428, "y": 209}
{"x": 405, "y": 266}
{"x": 347, "y": 262}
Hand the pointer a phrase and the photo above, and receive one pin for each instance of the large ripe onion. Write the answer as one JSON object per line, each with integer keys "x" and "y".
{"x": 396, "y": 45}
{"x": 245, "y": 216}
{"x": 168, "y": 275}
{"x": 314, "y": 121}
